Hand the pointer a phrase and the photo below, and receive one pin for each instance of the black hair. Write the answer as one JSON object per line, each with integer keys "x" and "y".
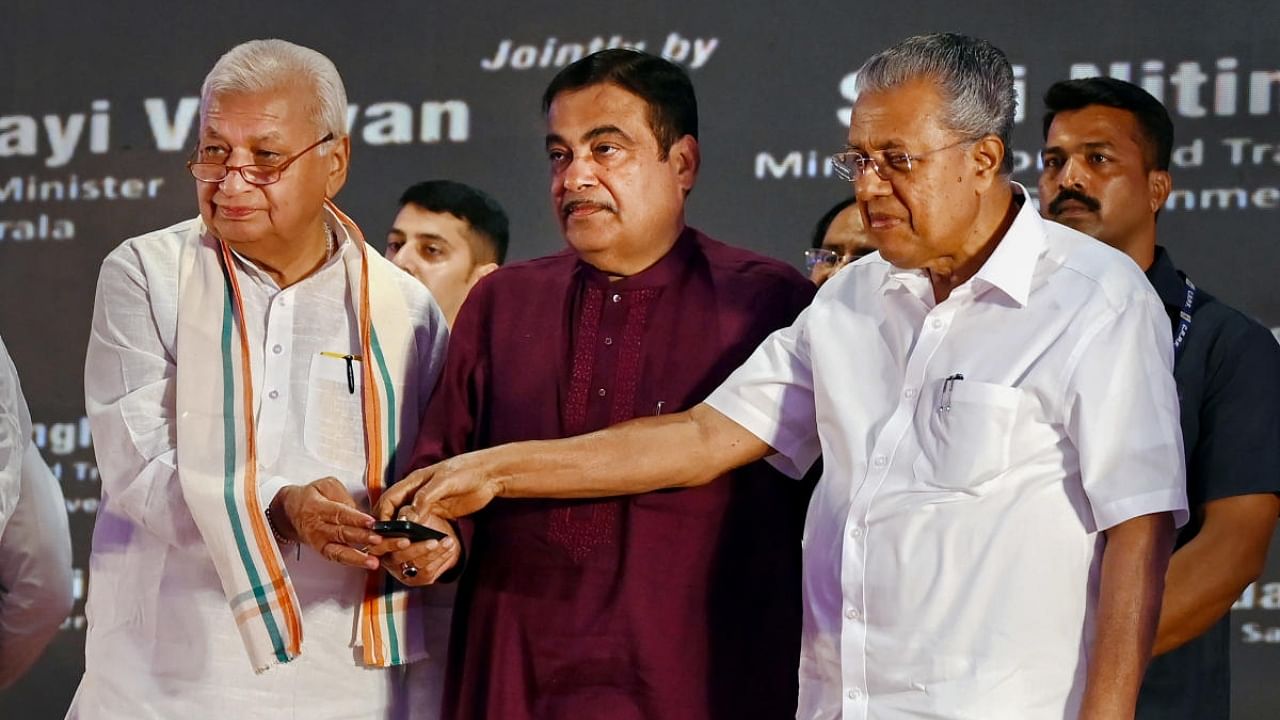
{"x": 664, "y": 86}
{"x": 1153, "y": 118}
{"x": 824, "y": 224}
{"x": 475, "y": 207}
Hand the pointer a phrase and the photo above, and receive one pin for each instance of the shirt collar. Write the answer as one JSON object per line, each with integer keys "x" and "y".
{"x": 662, "y": 272}
{"x": 1166, "y": 279}
{"x": 1011, "y": 266}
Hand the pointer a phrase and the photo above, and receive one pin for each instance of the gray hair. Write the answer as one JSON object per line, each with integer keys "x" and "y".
{"x": 973, "y": 76}
{"x": 267, "y": 65}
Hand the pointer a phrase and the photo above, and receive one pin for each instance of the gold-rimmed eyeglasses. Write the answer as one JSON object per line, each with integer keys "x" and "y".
{"x": 887, "y": 164}
{"x": 212, "y": 172}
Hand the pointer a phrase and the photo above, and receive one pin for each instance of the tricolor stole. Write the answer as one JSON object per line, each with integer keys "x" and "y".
{"x": 217, "y": 453}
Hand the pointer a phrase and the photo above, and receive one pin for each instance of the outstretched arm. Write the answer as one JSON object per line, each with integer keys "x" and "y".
{"x": 679, "y": 450}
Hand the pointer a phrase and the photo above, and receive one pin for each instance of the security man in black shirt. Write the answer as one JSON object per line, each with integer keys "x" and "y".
{"x": 1106, "y": 173}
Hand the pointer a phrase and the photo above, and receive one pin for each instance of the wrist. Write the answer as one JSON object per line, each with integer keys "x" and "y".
{"x": 497, "y": 471}
{"x": 278, "y": 518}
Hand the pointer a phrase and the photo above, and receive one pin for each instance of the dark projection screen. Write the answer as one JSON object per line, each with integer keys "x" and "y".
{"x": 98, "y": 103}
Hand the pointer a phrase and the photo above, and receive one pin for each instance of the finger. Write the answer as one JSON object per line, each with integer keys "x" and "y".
{"x": 418, "y": 580}
{"x": 335, "y": 514}
{"x": 399, "y": 494}
{"x": 332, "y": 489}
{"x": 347, "y": 535}
{"x": 424, "y": 503}
{"x": 408, "y": 513}
{"x": 421, "y": 553}
{"x": 436, "y": 522}
{"x": 429, "y": 568}
{"x": 439, "y": 565}
{"x": 414, "y": 577}
{"x": 346, "y": 555}
{"x": 388, "y": 545}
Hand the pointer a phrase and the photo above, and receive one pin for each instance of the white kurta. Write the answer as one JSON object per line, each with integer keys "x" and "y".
{"x": 35, "y": 547}
{"x": 162, "y": 642}
{"x": 952, "y": 548}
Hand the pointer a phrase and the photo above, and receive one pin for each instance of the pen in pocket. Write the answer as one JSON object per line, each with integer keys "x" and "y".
{"x": 351, "y": 370}
{"x": 948, "y": 385}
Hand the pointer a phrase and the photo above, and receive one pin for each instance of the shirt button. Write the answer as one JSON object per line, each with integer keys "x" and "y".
{"x": 851, "y": 614}
{"x": 616, "y": 297}
{"x": 854, "y": 694}
{"x": 608, "y": 341}
{"x": 273, "y": 394}
{"x": 881, "y": 461}
{"x": 601, "y": 392}
{"x": 910, "y": 393}
{"x": 855, "y": 533}
{"x": 937, "y": 324}
{"x": 277, "y": 349}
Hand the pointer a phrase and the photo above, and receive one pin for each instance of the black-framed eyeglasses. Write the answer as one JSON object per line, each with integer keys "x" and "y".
{"x": 851, "y": 164}
{"x": 815, "y": 257}
{"x": 212, "y": 172}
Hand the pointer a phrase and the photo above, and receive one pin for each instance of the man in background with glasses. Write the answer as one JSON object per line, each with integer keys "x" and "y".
{"x": 992, "y": 400}
{"x": 247, "y": 372}
{"x": 839, "y": 238}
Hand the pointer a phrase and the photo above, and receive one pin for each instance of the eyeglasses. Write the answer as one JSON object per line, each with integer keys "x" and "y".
{"x": 851, "y": 164}
{"x": 814, "y": 257}
{"x": 212, "y": 172}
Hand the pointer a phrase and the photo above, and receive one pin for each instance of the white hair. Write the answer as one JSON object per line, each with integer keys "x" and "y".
{"x": 974, "y": 77}
{"x": 269, "y": 65}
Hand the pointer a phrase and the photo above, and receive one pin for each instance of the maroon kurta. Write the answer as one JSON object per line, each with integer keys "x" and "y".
{"x": 667, "y": 605}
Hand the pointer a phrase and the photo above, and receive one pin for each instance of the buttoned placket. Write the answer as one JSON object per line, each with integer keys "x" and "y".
{"x": 612, "y": 318}
{"x": 882, "y": 465}
{"x": 277, "y": 358}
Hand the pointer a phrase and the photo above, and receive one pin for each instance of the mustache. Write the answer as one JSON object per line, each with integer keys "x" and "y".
{"x": 1068, "y": 195}
{"x": 571, "y": 205}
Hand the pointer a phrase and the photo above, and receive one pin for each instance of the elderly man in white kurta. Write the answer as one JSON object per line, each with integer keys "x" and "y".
{"x": 992, "y": 398}
{"x": 249, "y": 377}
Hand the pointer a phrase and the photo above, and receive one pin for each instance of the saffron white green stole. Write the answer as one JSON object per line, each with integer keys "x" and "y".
{"x": 217, "y": 447}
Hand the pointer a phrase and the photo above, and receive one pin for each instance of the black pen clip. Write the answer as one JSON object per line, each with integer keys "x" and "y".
{"x": 351, "y": 373}
{"x": 948, "y": 385}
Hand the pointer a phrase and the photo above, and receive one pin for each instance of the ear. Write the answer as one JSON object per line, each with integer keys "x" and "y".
{"x": 685, "y": 158}
{"x": 1159, "y": 185}
{"x": 988, "y": 154}
{"x": 480, "y": 271}
{"x": 339, "y": 162}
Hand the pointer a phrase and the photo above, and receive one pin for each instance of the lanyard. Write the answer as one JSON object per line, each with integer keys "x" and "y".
{"x": 1184, "y": 320}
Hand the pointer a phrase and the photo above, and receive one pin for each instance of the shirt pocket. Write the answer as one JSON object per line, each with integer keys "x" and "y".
{"x": 969, "y": 435}
{"x": 333, "y": 421}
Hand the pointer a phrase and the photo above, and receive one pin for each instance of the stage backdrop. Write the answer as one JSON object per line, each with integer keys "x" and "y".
{"x": 98, "y": 102}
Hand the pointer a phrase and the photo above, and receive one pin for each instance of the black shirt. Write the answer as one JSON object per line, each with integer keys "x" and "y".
{"x": 1228, "y": 377}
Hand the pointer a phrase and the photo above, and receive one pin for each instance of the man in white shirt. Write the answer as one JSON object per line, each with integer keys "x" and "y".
{"x": 250, "y": 373}
{"x": 992, "y": 399}
{"x": 35, "y": 546}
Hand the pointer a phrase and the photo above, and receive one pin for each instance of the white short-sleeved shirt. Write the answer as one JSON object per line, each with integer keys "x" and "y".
{"x": 162, "y": 642}
{"x": 952, "y": 550}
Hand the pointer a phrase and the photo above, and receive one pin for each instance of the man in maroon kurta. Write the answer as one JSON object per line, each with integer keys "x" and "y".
{"x": 668, "y": 605}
